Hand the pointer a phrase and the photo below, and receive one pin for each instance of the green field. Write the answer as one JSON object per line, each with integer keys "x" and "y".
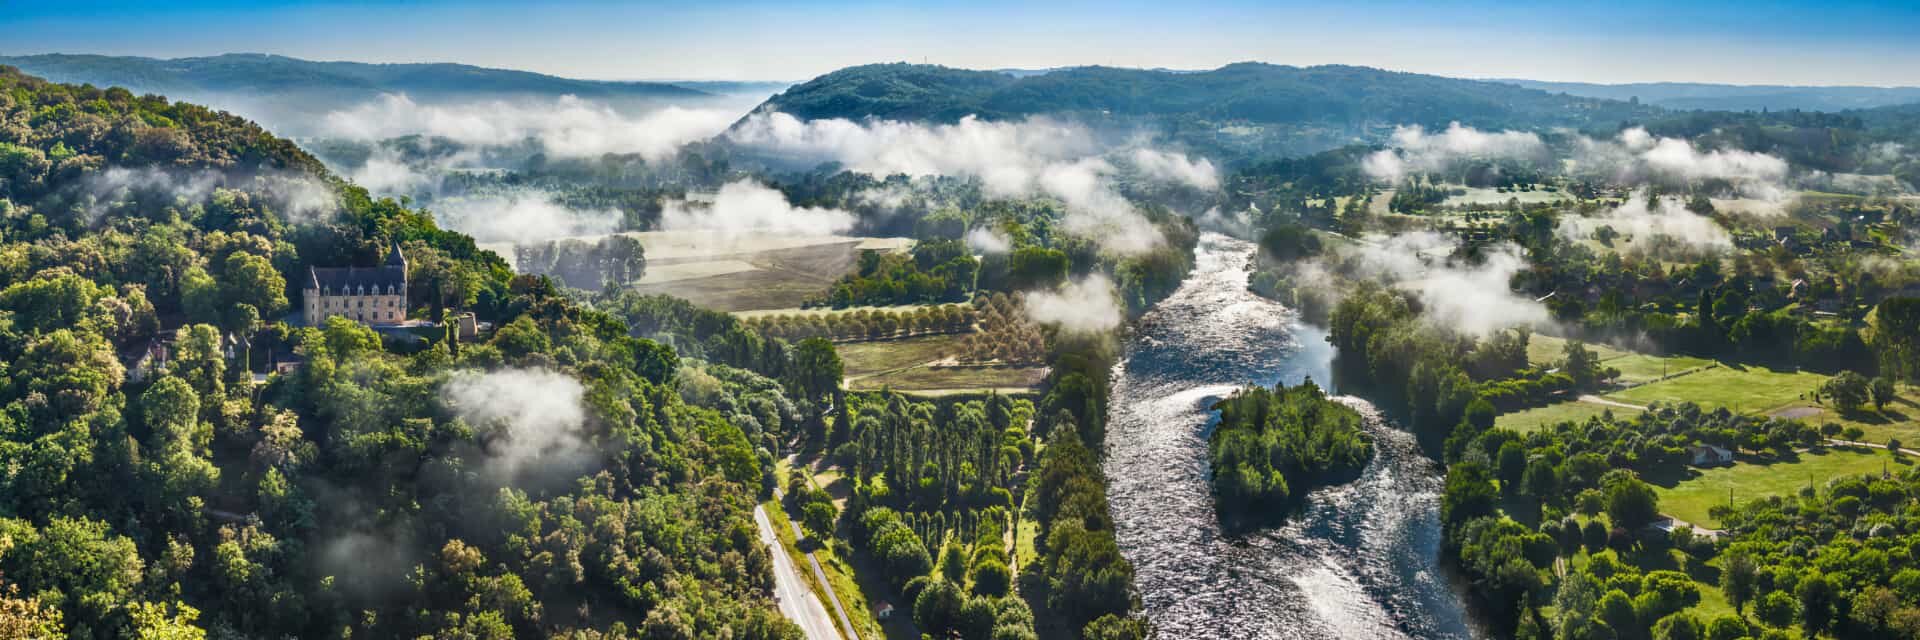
{"x": 1544, "y": 349}
{"x": 780, "y": 278}
{"x": 1640, "y": 368}
{"x": 827, "y": 311}
{"x": 954, "y": 379}
{"x": 1635, "y": 367}
{"x": 908, "y": 365}
{"x": 1901, "y": 418}
{"x": 1690, "y": 498}
{"x": 1739, "y": 388}
{"x": 868, "y": 358}
{"x": 1542, "y": 417}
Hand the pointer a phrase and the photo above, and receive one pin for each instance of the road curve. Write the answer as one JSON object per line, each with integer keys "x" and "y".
{"x": 797, "y": 601}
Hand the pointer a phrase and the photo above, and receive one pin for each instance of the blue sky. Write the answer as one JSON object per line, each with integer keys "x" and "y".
{"x": 1756, "y": 41}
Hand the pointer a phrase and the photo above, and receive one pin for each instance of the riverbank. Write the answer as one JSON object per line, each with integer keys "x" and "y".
{"x": 1360, "y": 560}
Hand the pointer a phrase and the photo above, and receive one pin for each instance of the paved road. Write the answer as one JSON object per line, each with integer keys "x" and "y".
{"x": 797, "y": 601}
{"x": 821, "y": 575}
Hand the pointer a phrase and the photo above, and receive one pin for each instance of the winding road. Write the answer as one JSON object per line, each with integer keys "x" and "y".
{"x": 796, "y": 601}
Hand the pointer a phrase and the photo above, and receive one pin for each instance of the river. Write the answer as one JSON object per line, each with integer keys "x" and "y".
{"x": 1359, "y": 561}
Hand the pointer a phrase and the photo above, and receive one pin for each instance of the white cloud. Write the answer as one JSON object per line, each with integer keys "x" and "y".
{"x": 1673, "y": 156}
{"x": 1635, "y": 157}
{"x": 1011, "y": 159}
{"x": 1472, "y": 298}
{"x": 1082, "y": 306}
{"x": 745, "y": 205}
{"x": 986, "y": 240}
{"x": 521, "y": 216}
{"x": 1095, "y": 210}
{"x": 567, "y": 126}
{"x": 1666, "y": 218}
{"x": 1416, "y": 150}
{"x": 385, "y": 174}
{"x": 1177, "y": 168}
{"x": 891, "y": 196}
{"x": 526, "y": 418}
{"x": 295, "y": 197}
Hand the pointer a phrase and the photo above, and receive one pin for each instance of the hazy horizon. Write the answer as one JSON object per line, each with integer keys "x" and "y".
{"x": 1781, "y": 43}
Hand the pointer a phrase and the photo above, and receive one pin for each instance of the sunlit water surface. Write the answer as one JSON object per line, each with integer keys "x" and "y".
{"x": 1359, "y": 561}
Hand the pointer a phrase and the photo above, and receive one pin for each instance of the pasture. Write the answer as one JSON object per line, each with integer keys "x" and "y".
{"x": 1635, "y": 367}
{"x": 741, "y": 271}
{"x": 1741, "y": 388}
{"x": 1693, "y": 495}
{"x": 1568, "y": 411}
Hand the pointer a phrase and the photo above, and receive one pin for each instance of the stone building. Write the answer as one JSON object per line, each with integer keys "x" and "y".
{"x": 370, "y": 295}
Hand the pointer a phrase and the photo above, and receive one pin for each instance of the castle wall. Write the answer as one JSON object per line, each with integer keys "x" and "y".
{"x": 368, "y": 309}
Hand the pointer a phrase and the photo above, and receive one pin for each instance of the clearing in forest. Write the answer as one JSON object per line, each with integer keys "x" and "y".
{"x": 1693, "y": 493}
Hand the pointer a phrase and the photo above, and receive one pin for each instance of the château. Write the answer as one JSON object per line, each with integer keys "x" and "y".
{"x": 370, "y": 295}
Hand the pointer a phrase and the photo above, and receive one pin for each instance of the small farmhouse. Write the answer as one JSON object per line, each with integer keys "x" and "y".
{"x": 1706, "y": 455}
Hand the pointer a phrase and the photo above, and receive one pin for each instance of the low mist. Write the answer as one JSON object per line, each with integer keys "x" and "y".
{"x": 1414, "y": 150}
{"x": 1087, "y": 305}
{"x": 1036, "y": 156}
{"x": 1636, "y": 157}
{"x": 567, "y": 126}
{"x": 530, "y": 421}
{"x": 748, "y": 206}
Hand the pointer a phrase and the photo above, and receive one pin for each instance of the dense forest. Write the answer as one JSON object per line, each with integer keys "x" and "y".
{"x": 181, "y": 457}
{"x": 1291, "y": 110}
{"x": 550, "y": 480}
{"x": 1272, "y": 446}
{"x": 306, "y": 91}
{"x": 1251, "y": 92}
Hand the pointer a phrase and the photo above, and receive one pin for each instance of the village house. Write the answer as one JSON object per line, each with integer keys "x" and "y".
{"x": 1705, "y": 455}
{"x": 369, "y": 295}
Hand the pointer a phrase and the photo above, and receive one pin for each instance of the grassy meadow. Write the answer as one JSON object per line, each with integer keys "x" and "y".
{"x": 1693, "y": 495}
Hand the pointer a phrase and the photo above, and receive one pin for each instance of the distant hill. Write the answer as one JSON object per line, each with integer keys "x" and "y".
{"x": 734, "y": 87}
{"x": 263, "y": 72}
{"x": 1236, "y": 110}
{"x": 289, "y": 92}
{"x": 1730, "y": 97}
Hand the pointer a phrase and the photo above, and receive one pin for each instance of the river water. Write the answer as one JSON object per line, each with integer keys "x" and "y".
{"x": 1359, "y": 561}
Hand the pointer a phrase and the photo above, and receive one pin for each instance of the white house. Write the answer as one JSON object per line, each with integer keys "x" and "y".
{"x": 1706, "y": 455}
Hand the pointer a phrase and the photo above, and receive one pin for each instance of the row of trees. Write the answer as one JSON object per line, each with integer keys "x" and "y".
{"x": 614, "y": 260}
{"x": 868, "y": 324}
{"x": 1006, "y": 335}
{"x": 936, "y": 271}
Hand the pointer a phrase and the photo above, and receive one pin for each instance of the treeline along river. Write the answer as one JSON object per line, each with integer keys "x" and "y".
{"x": 1358, "y": 561}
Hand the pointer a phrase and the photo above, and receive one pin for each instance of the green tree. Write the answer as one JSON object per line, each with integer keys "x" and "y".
{"x": 1679, "y": 626}
{"x": 251, "y": 280}
{"x": 1631, "y": 504}
{"x": 817, "y": 369}
{"x": 1115, "y": 627}
{"x": 1882, "y": 391}
{"x": 1737, "y": 580}
{"x": 1896, "y": 338}
{"x": 1777, "y": 608}
{"x": 991, "y": 578}
{"x": 1848, "y": 390}
{"x": 817, "y": 517}
{"x": 1818, "y": 597}
{"x": 1727, "y": 628}
{"x": 937, "y": 609}
{"x": 155, "y": 622}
